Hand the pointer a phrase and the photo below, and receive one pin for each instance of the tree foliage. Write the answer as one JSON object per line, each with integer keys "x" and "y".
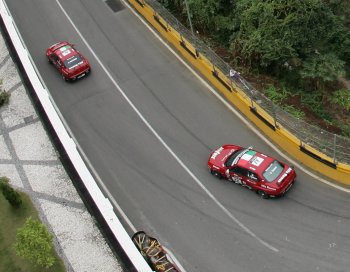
{"x": 310, "y": 39}
{"x": 34, "y": 243}
{"x": 275, "y": 32}
{"x": 210, "y": 17}
{"x": 319, "y": 69}
{"x": 214, "y": 16}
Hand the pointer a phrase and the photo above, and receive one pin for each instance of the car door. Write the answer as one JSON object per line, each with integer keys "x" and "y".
{"x": 243, "y": 177}
{"x": 238, "y": 175}
{"x": 56, "y": 61}
{"x": 252, "y": 179}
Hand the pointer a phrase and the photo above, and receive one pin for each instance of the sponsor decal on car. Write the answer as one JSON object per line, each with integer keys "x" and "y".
{"x": 282, "y": 178}
{"x": 65, "y": 50}
{"x": 248, "y": 155}
{"x": 256, "y": 161}
{"x": 216, "y": 152}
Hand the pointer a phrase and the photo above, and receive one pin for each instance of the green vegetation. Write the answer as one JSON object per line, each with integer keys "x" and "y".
{"x": 10, "y": 220}
{"x": 341, "y": 97}
{"x": 299, "y": 114}
{"x": 12, "y": 196}
{"x": 4, "y": 96}
{"x": 303, "y": 46}
{"x": 277, "y": 96}
{"x": 34, "y": 243}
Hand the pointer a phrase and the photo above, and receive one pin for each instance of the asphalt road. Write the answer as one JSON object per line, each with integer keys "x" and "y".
{"x": 209, "y": 225}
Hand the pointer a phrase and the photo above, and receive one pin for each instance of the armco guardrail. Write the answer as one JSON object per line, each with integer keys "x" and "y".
{"x": 103, "y": 204}
{"x": 323, "y": 151}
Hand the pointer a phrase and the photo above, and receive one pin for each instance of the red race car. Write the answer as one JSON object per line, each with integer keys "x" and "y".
{"x": 69, "y": 62}
{"x": 263, "y": 174}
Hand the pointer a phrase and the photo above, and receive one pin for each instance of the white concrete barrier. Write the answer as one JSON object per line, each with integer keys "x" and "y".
{"x": 102, "y": 203}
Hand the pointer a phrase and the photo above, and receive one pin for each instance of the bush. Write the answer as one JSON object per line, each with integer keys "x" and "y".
{"x": 342, "y": 98}
{"x": 277, "y": 96}
{"x": 11, "y": 195}
{"x": 4, "y": 97}
{"x": 3, "y": 182}
{"x": 34, "y": 243}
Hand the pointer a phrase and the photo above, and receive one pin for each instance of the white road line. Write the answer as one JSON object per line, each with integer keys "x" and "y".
{"x": 227, "y": 212}
{"x": 238, "y": 114}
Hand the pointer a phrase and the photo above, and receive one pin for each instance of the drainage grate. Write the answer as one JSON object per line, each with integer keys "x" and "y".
{"x": 115, "y": 5}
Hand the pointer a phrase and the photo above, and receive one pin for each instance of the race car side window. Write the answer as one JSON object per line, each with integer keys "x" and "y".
{"x": 54, "y": 57}
{"x": 240, "y": 171}
{"x": 252, "y": 176}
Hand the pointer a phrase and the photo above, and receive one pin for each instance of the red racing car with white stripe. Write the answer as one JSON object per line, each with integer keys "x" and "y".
{"x": 265, "y": 175}
{"x": 70, "y": 63}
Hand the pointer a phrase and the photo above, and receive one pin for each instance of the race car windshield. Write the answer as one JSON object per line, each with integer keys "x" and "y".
{"x": 273, "y": 171}
{"x": 230, "y": 161}
{"x": 73, "y": 61}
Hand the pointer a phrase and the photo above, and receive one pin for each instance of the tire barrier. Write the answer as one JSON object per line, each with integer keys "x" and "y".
{"x": 309, "y": 145}
{"x": 155, "y": 255}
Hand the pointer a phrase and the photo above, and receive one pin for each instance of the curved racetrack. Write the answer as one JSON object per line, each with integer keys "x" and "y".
{"x": 209, "y": 225}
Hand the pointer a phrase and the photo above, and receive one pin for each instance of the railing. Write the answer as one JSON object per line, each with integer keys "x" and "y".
{"x": 332, "y": 145}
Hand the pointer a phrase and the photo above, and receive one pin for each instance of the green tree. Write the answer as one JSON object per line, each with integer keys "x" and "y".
{"x": 278, "y": 37}
{"x": 215, "y": 17}
{"x": 275, "y": 34}
{"x": 34, "y": 243}
{"x": 318, "y": 69}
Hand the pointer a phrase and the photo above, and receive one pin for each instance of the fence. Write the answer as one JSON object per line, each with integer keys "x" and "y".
{"x": 332, "y": 145}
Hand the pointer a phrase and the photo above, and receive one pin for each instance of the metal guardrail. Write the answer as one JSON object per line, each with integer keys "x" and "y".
{"x": 334, "y": 146}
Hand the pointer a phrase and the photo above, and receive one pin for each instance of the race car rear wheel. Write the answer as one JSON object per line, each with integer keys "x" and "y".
{"x": 216, "y": 174}
{"x": 262, "y": 194}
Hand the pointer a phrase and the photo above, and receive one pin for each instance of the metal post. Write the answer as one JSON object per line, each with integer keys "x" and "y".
{"x": 189, "y": 16}
{"x": 274, "y": 115}
{"x": 334, "y": 148}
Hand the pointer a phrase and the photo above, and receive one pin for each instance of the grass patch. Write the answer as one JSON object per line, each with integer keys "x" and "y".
{"x": 299, "y": 114}
{"x": 277, "y": 96}
{"x": 10, "y": 220}
{"x": 342, "y": 98}
{"x": 313, "y": 100}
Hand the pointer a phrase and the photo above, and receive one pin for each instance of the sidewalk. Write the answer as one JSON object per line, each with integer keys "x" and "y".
{"x": 29, "y": 160}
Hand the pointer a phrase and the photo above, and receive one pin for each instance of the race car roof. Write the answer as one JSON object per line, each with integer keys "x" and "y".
{"x": 254, "y": 160}
{"x": 65, "y": 52}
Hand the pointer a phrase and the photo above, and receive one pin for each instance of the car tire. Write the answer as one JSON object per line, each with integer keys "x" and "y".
{"x": 64, "y": 78}
{"x": 216, "y": 174}
{"x": 262, "y": 194}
